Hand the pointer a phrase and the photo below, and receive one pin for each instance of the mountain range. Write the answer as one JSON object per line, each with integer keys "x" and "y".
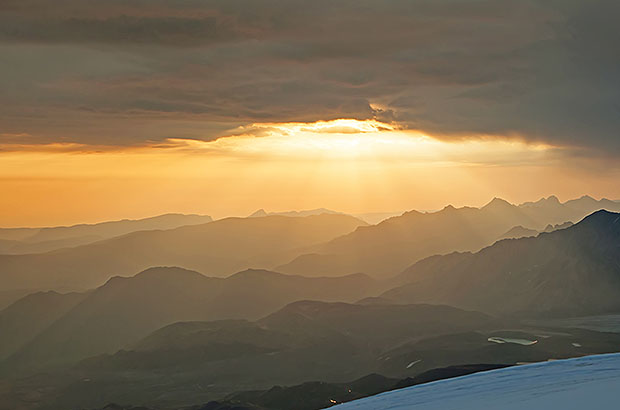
{"x": 35, "y": 240}
{"x": 171, "y": 337}
{"x": 371, "y": 218}
{"x": 396, "y": 243}
{"x": 123, "y": 310}
{"x": 318, "y": 346}
{"x": 217, "y": 248}
{"x": 191, "y": 362}
{"x": 570, "y": 271}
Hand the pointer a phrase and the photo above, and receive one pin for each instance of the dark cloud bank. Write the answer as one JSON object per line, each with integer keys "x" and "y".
{"x": 128, "y": 72}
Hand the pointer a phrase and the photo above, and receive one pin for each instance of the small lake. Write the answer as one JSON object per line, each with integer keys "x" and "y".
{"x": 503, "y": 340}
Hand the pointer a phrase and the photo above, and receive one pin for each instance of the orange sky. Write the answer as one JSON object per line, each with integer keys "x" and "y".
{"x": 349, "y": 166}
{"x": 125, "y": 109}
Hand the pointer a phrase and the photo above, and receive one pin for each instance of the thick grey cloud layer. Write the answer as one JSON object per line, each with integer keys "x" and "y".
{"x": 128, "y": 72}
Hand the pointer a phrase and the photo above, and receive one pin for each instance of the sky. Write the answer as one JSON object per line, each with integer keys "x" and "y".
{"x": 131, "y": 108}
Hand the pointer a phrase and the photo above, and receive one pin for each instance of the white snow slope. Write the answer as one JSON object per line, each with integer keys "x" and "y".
{"x": 591, "y": 383}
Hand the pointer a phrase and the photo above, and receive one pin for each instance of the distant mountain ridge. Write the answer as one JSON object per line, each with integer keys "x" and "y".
{"x": 217, "y": 248}
{"x": 519, "y": 232}
{"x": 369, "y": 217}
{"x": 573, "y": 270}
{"x": 396, "y": 243}
{"x": 522, "y": 232}
{"x": 309, "y": 212}
{"x": 36, "y": 240}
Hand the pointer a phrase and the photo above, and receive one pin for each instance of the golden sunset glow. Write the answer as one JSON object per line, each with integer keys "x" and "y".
{"x": 349, "y": 165}
{"x": 352, "y": 140}
{"x": 254, "y": 204}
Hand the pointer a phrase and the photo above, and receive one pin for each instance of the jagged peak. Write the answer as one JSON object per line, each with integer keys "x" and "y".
{"x": 258, "y": 213}
{"x": 497, "y": 202}
{"x": 553, "y": 198}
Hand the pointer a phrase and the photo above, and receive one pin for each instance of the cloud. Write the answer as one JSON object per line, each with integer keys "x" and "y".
{"x": 130, "y": 72}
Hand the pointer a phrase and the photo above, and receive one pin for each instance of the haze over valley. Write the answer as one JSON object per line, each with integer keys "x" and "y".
{"x": 243, "y": 304}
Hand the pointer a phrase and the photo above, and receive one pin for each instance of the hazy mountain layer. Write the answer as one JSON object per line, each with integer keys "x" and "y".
{"x": 396, "y": 243}
{"x": 297, "y": 214}
{"x": 36, "y": 240}
{"x": 522, "y": 232}
{"x": 126, "y": 309}
{"x": 369, "y": 217}
{"x": 195, "y": 362}
{"x": 570, "y": 271}
{"x": 26, "y": 318}
{"x": 519, "y": 232}
{"x": 187, "y": 363}
{"x": 218, "y": 249}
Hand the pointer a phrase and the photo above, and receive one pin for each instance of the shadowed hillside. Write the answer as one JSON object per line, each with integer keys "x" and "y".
{"x": 314, "y": 347}
{"x": 29, "y": 316}
{"x": 574, "y": 270}
{"x": 126, "y": 309}
{"x": 303, "y": 341}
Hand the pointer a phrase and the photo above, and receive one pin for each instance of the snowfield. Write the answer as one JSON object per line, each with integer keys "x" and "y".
{"x": 591, "y": 383}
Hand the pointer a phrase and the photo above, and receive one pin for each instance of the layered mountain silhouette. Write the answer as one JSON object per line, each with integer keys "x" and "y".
{"x": 369, "y": 217}
{"x": 36, "y": 240}
{"x": 195, "y": 362}
{"x": 217, "y": 248}
{"x": 519, "y": 232}
{"x": 26, "y": 318}
{"x": 573, "y": 270}
{"x": 447, "y": 298}
{"x": 297, "y": 214}
{"x": 320, "y": 395}
{"x": 126, "y": 309}
{"x": 395, "y": 244}
{"x": 303, "y": 341}
{"x": 522, "y": 232}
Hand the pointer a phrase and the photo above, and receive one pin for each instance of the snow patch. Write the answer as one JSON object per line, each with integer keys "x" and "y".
{"x": 589, "y": 382}
{"x": 410, "y": 365}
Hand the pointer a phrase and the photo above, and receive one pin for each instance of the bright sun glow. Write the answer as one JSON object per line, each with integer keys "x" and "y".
{"x": 348, "y": 139}
{"x": 348, "y": 165}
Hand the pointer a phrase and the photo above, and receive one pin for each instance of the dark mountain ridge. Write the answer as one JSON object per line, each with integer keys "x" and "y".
{"x": 573, "y": 270}
{"x": 126, "y": 309}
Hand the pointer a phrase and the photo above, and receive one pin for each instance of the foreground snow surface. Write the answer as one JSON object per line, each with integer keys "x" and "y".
{"x": 591, "y": 382}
